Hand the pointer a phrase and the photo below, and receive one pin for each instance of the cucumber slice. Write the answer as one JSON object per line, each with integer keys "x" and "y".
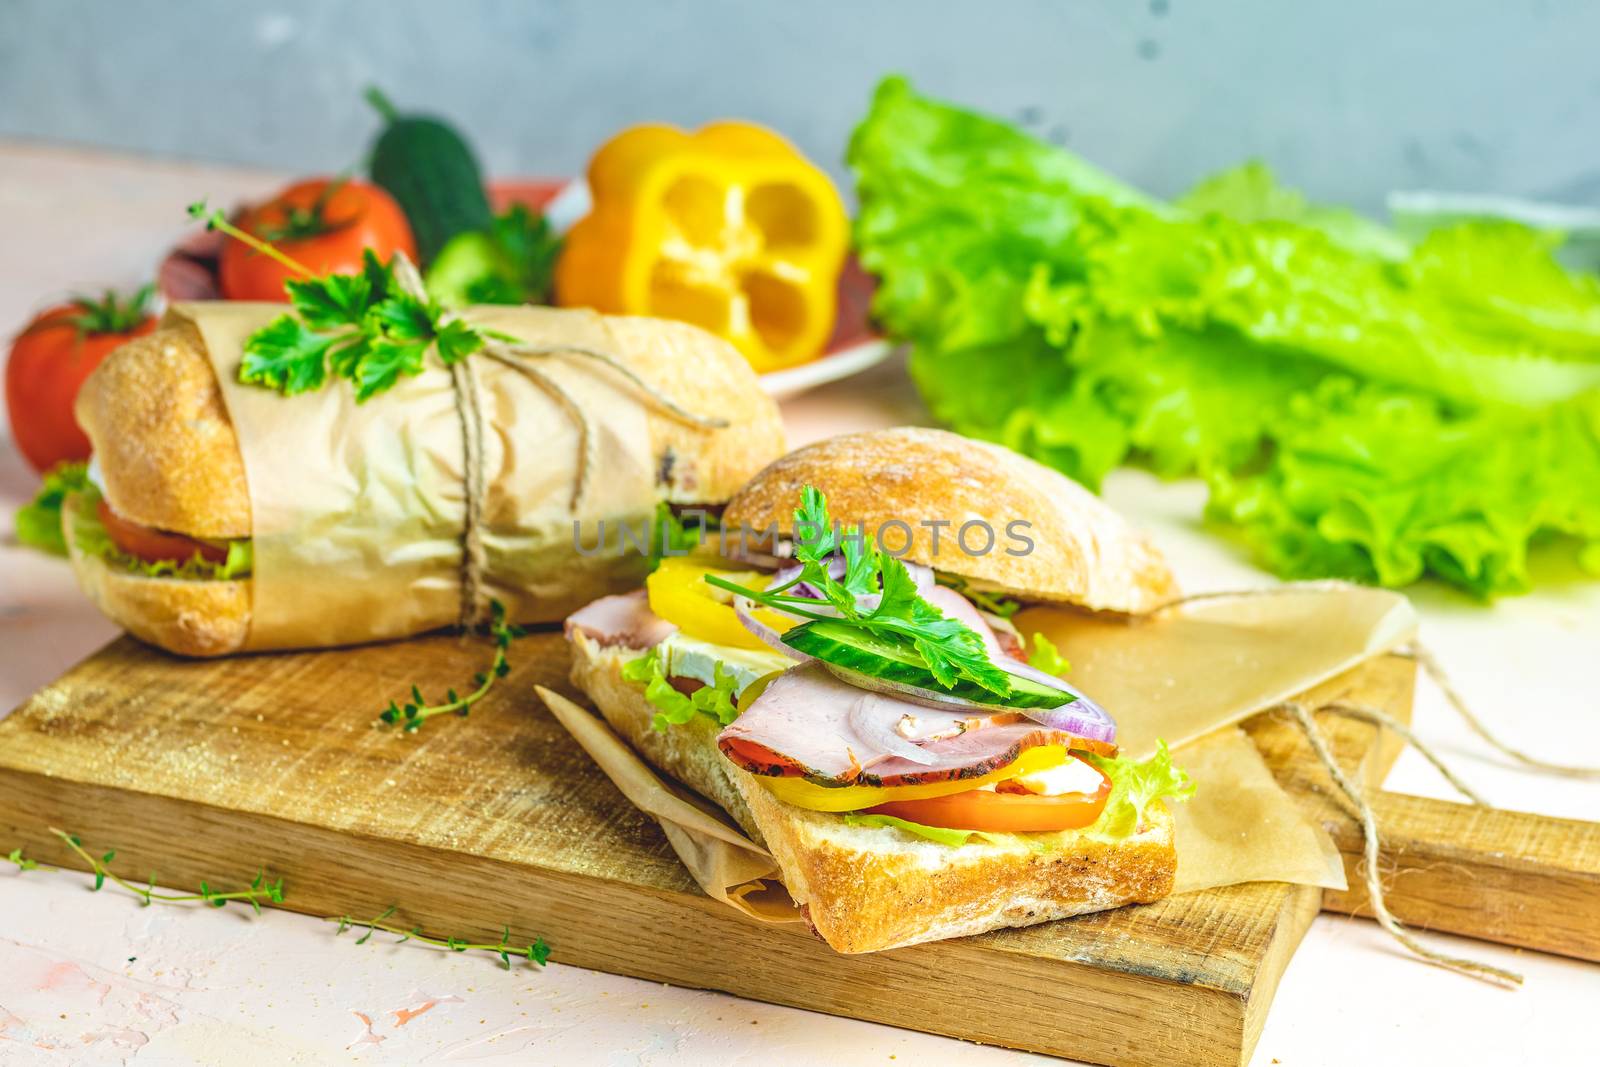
{"x": 847, "y": 646}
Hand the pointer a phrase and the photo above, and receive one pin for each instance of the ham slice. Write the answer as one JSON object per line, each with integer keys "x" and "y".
{"x": 810, "y": 723}
{"x": 620, "y": 620}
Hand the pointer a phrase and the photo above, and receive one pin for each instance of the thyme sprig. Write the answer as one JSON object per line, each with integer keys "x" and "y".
{"x": 536, "y": 953}
{"x": 260, "y": 890}
{"x": 417, "y": 710}
{"x": 24, "y": 863}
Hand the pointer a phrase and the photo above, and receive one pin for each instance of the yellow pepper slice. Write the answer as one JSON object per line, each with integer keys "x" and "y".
{"x": 679, "y": 593}
{"x": 804, "y": 794}
{"x": 729, "y": 228}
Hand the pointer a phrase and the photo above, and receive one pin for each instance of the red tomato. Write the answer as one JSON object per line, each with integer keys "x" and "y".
{"x": 323, "y": 224}
{"x": 50, "y": 359}
{"x": 1002, "y": 811}
{"x": 155, "y": 545}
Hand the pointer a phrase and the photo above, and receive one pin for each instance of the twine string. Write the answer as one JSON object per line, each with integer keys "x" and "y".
{"x": 1436, "y": 672}
{"x": 1370, "y": 860}
{"x": 519, "y": 357}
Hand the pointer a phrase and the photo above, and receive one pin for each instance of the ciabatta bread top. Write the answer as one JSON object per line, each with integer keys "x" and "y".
{"x": 1082, "y": 552}
{"x": 166, "y": 448}
{"x": 170, "y": 459}
{"x": 867, "y": 888}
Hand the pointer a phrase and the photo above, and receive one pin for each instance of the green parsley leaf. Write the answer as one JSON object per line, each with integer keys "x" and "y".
{"x": 361, "y": 327}
{"x": 286, "y": 355}
{"x": 331, "y": 302}
{"x": 950, "y": 649}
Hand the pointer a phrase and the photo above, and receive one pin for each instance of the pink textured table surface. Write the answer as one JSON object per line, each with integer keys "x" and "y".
{"x": 95, "y": 979}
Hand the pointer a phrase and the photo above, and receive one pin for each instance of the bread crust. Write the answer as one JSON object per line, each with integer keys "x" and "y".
{"x": 166, "y": 449}
{"x": 1083, "y": 552}
{"x": 191, "y": 618}
{"x": 868, "y": 888}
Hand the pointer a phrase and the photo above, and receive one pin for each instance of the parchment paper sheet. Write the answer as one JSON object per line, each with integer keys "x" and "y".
{"x": 357, "y": 508}
{"x": 1187, "y": 676}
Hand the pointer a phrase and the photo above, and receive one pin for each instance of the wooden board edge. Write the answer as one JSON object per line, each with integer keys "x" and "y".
{"x": 909, "y": 988}
{"x": 1530, "y": 881}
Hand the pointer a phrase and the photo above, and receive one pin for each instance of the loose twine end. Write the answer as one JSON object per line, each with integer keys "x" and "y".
{"x": 1369, "y": 825}
{"x": 1371, "y": 845}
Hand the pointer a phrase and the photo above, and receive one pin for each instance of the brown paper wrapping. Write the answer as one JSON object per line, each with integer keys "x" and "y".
{"x": 1186, "y": 676}
{"x": 357, "y": 508}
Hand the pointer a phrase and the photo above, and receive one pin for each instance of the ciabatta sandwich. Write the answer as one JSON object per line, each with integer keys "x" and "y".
{"x": 851, "y": 692}
{"x": 162, "y": 542}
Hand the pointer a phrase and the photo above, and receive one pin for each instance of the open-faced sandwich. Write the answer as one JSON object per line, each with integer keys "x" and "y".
{"x": 843, "y": 680}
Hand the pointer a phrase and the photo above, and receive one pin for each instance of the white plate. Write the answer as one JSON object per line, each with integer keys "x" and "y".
{"x": 783, "y": 384}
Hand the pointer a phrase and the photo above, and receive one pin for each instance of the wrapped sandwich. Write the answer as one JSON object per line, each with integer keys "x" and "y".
{"x": 242, "y": 502}
{"x": 842, "y": 679}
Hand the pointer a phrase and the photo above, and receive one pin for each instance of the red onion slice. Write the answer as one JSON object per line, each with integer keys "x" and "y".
{"x": 745, "y": 610}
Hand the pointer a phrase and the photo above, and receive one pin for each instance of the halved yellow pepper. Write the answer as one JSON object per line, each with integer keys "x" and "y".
{"x": 679, "y": 593}
{"x": 729, "y": 228}
{"x": 804, "y": 794}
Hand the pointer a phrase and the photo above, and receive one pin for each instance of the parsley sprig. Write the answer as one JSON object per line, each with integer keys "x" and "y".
{"x": 417, "y": 711}
{"x": 949, "y": 648}
{"x": 363, "y": 327}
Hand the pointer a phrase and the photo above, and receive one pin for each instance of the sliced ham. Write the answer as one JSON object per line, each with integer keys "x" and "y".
{"x": 621, "y": 620}
{"x": 810, "y": 723}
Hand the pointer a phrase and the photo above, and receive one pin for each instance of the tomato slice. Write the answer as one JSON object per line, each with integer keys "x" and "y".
{"x": 153, "y": 545}
{"x": 1002, "y": 812}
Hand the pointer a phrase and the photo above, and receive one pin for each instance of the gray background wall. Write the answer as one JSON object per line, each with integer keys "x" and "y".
{"x": 1348, "y": 98}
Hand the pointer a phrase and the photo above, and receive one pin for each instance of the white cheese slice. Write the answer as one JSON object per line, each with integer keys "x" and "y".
{"x": 690, "y": 657}
{"x": 1073, "y": 776}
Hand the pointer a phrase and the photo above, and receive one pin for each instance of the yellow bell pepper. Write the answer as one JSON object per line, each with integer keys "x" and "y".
{"x": 679, "y": 593}
{"x": 810, "y": 795}
{"x": 729, "y": 228}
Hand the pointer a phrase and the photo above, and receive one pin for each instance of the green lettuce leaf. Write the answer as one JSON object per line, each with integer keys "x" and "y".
{"x": 1135, "y": 786}
{"x": 91, "y": 539}
{"x": 1360, "y": 405}
{"x": 674, "y": 708}
{"x": 38, "y": 522}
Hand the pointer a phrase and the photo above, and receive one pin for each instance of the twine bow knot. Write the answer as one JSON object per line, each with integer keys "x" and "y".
{"x": 522, "y": 358}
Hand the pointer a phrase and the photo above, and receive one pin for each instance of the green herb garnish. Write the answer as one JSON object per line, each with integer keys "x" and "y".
{"x": 259, "y": 891}
{"x": 364, "y": 327}
{"x": 949, "y": 648}
{"x": 417, "y": 711}
{"x": 536, "y": 953}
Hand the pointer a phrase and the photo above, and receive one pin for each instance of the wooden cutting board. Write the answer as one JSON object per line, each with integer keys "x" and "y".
{"x": 210, "y": 770}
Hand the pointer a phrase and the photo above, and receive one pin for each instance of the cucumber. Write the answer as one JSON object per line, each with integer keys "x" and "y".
{"x": 431, "y": 172}
{"x": 847, "y": 646}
